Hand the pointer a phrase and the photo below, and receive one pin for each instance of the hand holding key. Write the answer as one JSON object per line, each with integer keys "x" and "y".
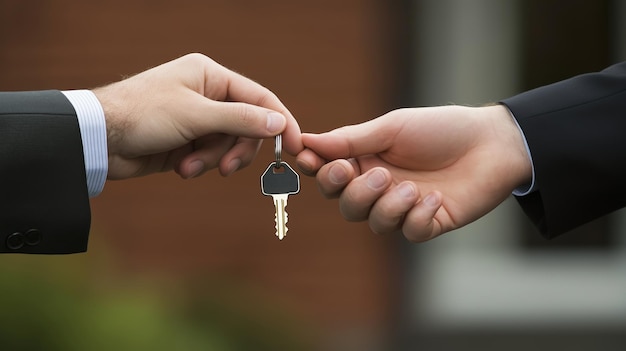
{"x": 424, "y": 171}
{"x": 279, "y": 181}
{"x": 190, "y": 115}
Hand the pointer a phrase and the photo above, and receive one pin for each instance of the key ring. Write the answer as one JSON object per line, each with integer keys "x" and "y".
{"x": 278, "y": 149}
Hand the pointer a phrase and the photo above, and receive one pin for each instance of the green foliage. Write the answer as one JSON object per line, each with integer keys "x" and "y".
{"x": 56, "y": 307}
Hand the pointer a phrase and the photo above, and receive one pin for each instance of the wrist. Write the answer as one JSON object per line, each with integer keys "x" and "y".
{"x": 112, "y": 115}
{"x": 510, "y": 144}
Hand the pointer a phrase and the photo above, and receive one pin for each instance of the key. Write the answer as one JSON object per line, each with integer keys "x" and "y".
{"x": 279, "y": 182}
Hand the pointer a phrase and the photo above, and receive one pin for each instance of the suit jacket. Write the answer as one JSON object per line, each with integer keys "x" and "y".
{"x": 576, "y": 132}
{"x": 44, "y": 203}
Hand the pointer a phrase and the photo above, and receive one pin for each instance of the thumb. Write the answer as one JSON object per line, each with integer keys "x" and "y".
{"x": 351, "y": 141}
{"x": 237, "y": 119}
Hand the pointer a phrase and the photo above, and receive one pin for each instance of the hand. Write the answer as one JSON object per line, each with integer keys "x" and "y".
{"x": 424, "y": 171}
{"x": 190, "y": 115}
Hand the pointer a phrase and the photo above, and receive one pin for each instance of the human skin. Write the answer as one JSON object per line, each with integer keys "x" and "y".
{"x": 421, "y": 171}
{"x": 190, "y": 115}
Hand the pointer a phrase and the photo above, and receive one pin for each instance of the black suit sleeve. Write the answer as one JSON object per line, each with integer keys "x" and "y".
{"x": 44, "y": 203}
{"x": 576, "y": 132}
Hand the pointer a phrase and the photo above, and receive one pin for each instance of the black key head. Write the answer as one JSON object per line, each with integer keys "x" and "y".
{"x": 280, "y": 180}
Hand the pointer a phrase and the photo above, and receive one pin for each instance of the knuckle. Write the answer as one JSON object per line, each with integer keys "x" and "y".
{"x": 328, "y": 195}
{"x": 413, "y": 236}
{"x": 418, "y": 235}
{"x": 246, "y": 116}
{"x": 378, "y": 228}
{"x": 352, "y": 213}
{"x": 195, "y": 56}
{"x": 267, "y": 98}
{"x": 326, "y": 189}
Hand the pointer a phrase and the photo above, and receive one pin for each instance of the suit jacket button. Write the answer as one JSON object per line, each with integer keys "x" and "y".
{"x": 32, "y": 237}
{"x": 15, "y": 241}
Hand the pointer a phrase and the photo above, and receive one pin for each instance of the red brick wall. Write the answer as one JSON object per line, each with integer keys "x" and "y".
{"x": 325, "y": 59}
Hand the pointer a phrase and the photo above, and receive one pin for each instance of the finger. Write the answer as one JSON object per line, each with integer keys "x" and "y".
{"x": 361, "y": 194}
{"x": 199, "y": 116}
{"x": 387, "y": 214}
{"x": 351, "y": 141}
{"x": 205, "y": 156}
{"x": 239, "y": 156}
{"x": 292, "y": 137}
{"x": 420, "y": 223}
{"x": 251, "y": 121}
{"x": 309, "y": 162}
{"x": 243, "y": 89}
{"x": 239, "y": 119}
{"x": 334, "y": 176}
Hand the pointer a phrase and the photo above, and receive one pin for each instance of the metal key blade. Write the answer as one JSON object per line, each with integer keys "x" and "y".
{"x": 281, "y": 217}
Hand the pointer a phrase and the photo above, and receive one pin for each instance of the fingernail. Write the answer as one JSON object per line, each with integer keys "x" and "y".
{"x": 275, "y": 122}
{"x": 431, "y": 200}
{"x": 234, "y": 165}
{"x": 337, "y": 174}
{"x": 195, "y": 168}
{"x": 406, "y": 190}
{"x": 376, "y": 180}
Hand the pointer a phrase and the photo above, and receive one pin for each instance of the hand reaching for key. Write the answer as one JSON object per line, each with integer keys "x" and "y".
{"x": 424, "y": 171}
{"x": 190, "y": 115}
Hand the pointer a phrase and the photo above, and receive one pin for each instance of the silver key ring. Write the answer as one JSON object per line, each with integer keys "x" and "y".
{"x": 278, "y": 149}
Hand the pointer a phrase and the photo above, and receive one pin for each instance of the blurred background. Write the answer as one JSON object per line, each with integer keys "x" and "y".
{"x": 195, "y": 265}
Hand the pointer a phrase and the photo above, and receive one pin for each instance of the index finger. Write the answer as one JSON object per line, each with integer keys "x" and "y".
{"x": 243, "y": 89}
{"x": 370, "y": 137}
{"x": 333, "y": 177}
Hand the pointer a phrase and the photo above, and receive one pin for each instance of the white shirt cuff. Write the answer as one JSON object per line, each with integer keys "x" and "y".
{"x": 528, "y": 188}
{"x": 93, "y": 134}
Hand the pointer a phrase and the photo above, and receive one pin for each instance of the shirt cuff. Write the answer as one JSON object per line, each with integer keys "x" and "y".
{"x": 93, "y": 134}
{"x": 527, "y": 188}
